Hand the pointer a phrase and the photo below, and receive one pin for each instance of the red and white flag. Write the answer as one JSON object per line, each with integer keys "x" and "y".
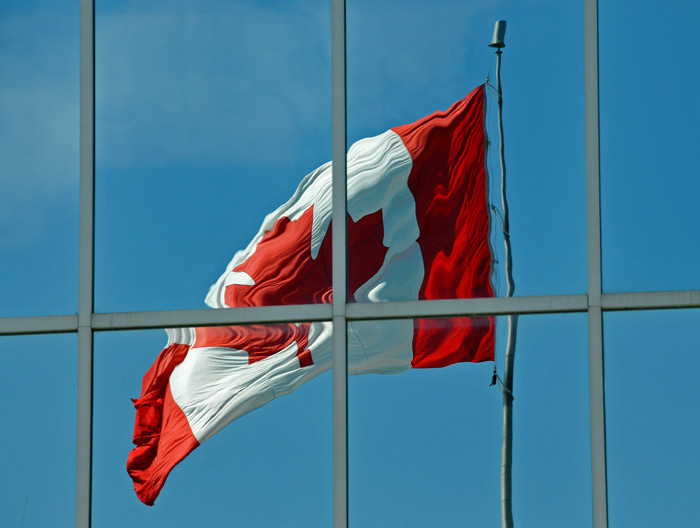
{"x": 418, "y": 228}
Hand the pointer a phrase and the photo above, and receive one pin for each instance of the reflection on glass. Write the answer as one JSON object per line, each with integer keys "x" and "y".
{"x": 203, "y": 380}
{"x": 651, "y": 405}
{"x": 37, "y": 439}
{"x": 420, "y": 216}
{"x": 207, "y": 118}
{"x": 425, "y": 446}
{"x": 39, "y": 157}
{"x": 393, "y": 80}
{"x": 649, "y": 164}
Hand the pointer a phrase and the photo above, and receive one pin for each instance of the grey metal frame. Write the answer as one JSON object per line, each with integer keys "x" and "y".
{"x": 339, "y": 266}
{"x": 83, "y": 474}
{"x": 340, "y": 312}
{"x": 595, "y": 281}
{"x": 57, "y": 324}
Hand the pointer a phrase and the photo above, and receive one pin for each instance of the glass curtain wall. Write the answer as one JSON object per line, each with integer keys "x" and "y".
{"x": 185, "y": 124}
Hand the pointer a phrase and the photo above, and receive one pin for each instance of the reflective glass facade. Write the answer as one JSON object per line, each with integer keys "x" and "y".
{"x": 145, "y": 143}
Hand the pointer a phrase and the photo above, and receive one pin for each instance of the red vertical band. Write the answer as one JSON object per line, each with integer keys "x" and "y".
{"x": 448, "y": 182}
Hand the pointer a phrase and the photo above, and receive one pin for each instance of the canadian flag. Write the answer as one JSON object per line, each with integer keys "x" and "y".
{"x": 418, "y": 228}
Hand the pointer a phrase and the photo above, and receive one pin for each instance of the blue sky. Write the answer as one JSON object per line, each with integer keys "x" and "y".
{"x": 208, "y": 115}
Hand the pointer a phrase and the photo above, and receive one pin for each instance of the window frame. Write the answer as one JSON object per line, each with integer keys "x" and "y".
{"x": 594, "y": 303}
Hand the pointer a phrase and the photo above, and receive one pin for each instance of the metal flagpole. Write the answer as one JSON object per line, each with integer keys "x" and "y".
{"x": 507, "y": 446}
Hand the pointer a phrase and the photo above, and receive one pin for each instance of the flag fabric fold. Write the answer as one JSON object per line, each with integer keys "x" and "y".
{"x": 418, "y": 228}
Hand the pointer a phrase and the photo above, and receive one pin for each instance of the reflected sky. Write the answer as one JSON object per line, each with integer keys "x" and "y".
{"x": 210, "y": 113}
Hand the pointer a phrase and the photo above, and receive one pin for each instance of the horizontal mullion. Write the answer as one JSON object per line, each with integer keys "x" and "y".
{"x": 467, "y": 307}
{"x": 660, "y": 300}
{"x": 55, "y": 324}
{"x": 207, "y": 317}
{"x": 38, "y": 324}
{"x": 323, "y": 312}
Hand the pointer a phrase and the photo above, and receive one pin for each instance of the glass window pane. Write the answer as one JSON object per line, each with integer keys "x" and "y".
{"x": 406, "y": 61}
{"x": 38, "y": 376}
{"x": 651, "y": 406}
{"x": 648, "y": 126}
{"x": 39, "y": 157}
{"x": 425, "y": 445}
{"x": 209, "y": 114}
{"x": 267, "y": 467}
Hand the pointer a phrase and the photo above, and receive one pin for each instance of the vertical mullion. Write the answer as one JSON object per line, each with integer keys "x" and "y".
{"x": 339, "y": 266}
{"x": 83, "y": 476}
{"x": 595, "y": 316}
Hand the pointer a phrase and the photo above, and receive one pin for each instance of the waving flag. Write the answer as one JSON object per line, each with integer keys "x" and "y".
{"x": 418, "y": 228}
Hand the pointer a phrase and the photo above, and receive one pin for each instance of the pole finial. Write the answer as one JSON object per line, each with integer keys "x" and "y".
{"x": 499, "y": 32}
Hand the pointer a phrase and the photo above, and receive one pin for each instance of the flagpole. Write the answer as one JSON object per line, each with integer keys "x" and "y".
{"x": 507, "y": 445}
